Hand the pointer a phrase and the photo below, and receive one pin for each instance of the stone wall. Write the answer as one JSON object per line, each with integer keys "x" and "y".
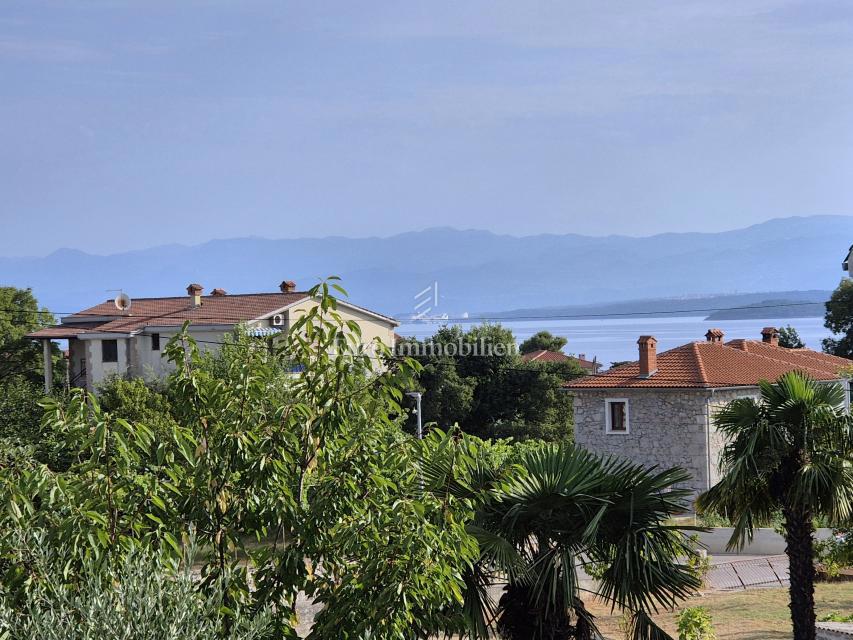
{"x": 667, "y": 428}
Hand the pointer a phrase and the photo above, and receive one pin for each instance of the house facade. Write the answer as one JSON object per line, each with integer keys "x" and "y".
{"x": 659, "y": 411}
{"x": 106, "y": 340}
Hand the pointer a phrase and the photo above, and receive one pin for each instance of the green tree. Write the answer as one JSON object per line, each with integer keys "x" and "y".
{"x": 20, "y": 314}
{"x": 791, "y": 450}
{"x": 305, "y": 482}
{"x": 839, "y": 320}
{"x": 476, "y": 379}
{"x": 550, "y": 509}
{"x": 789, "y": 338}
{"x": 21, "y": 375}
{"x": 543, "y": 341}
{"x": 139, "y": 401}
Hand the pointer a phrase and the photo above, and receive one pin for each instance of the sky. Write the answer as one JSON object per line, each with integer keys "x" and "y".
{"x": 126, "y": 125}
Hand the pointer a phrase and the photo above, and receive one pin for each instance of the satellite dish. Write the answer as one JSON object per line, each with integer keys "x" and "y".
{"x": 122, "y": 302}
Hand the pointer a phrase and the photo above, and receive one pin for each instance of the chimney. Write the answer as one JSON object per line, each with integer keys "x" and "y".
{"x": 219, "y": 292}
{"x": 770, "y": 335}
{"x": 195, "y": 290}
{"x": 287, "y": 286}
{"x": 714, "y": 335}
{"x": 648, "y": 356}
{"x": 581, "y": 356}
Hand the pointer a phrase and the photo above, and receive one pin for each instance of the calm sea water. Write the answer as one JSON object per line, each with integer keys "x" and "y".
{"x": 616, "y": 338}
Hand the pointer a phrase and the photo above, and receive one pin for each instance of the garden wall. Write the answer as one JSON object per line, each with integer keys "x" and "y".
{"x": 766, "y": 542}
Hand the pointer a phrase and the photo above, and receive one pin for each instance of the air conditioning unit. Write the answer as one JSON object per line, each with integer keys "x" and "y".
{"x": 277, "y": 320}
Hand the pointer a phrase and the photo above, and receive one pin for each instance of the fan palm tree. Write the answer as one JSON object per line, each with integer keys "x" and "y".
{"x": 559, "y": 508}
{"x": 789, "y": 450}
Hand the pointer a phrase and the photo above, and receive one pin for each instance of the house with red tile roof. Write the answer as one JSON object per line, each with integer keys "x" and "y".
{"x": 542, "y": 355}
{"x": 125, "y": 338}
{"x": 658, "y": 411}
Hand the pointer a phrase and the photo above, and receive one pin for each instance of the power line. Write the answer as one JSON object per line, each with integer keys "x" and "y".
{"x": 454, "y": 320}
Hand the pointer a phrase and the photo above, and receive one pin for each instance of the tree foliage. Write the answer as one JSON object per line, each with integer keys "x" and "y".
{"x": 305, "y": 484}
{"x": 141, "y": 596}
{"x": 789, "y": 338}
{"x": 476, "y": 379}
{"x": 543, "y": 341}
{"x": 20, "y": 357}
{"x": 289, "y": 484}
{"x": 791, "y": 450}
{"x": 539, "y": 516}
{"x": 839, "y": 320}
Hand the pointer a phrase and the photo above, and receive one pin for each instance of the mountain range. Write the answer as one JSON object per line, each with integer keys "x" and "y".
{"x": 476, "y": 271}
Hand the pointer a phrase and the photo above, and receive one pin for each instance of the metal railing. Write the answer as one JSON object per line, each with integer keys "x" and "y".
{"x": 767, "y": 571}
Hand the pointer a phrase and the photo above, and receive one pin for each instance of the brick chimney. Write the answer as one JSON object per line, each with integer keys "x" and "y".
{"x": 287, "y": 286}
{"x": 648, "y": 356}
{"x": 714, "y": 335}
{"x": 770, "y": 335}
{"x": 194, "y": 290}
{"x": 219, "y": 292}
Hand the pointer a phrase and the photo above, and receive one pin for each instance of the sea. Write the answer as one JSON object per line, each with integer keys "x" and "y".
{"x": 615, "y": 339}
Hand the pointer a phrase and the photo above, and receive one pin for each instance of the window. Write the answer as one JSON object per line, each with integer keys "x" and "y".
{"x": 616, "y": 415}
{"x": 109, "y": 351}
{"x": 155, "y": 342}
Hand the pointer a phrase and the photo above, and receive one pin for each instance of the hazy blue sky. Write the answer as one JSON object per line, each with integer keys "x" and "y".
{"x": 125, "y": 125}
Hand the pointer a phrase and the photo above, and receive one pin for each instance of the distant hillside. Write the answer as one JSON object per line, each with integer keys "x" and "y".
{"x": 785, "y": 304}
{"x": 476, "y": 270}
{"x": 774, "y": 308}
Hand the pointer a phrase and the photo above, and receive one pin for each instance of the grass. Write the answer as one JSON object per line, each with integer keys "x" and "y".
{"x": 756, "y": 614}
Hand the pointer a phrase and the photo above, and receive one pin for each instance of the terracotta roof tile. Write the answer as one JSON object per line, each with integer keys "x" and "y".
{"x": 174, "y": 311}
{"x": 59, "y": 332}
{"x": 708, "y": 364}
{"x": 545, "y": 356}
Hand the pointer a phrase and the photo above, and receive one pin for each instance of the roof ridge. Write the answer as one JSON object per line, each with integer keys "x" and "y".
{"x": 697, "y": 353}
{"x": 210, "y": 295}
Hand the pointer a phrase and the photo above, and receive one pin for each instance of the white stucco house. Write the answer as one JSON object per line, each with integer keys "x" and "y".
{"x": 659, "y": 411}
{"x": 105, "y": 340}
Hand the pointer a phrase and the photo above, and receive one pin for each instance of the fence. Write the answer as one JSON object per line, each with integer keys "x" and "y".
{"x": 768, "y": 571}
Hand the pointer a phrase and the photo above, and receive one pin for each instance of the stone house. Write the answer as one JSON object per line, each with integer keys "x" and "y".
{"x": 125, "y": 338}
{"x": 659, "y": 410}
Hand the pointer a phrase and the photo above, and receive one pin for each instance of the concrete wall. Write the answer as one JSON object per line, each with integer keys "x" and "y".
{"x": 717, "y": 399}
{"x": 152, "y": 365}
{"x": 96, "y": 369}
{"x": 77, "y": 362}
{"x": 765, "y": 542}
{"x": 667, "y": 428}
{"x": 371, "y": 326}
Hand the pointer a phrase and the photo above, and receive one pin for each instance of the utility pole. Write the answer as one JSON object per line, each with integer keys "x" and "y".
{"x": 417, "y": 396}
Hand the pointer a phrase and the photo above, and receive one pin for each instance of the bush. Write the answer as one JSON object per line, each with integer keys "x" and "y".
{"x": 698, "y": 561}
{"x": 140, "y": 598}
{"x": 694, "y": 623}
{"x": 837, "y": 617}
{"x": 835, "y": 553}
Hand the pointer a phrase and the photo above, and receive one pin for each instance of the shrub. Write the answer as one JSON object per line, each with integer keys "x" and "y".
{"x": 694, "y": 623}
{"x": 835, "y": 553}
{"x": 699, "y": 562}
{"x": 141, "y": 597}
{"x": 837, "y": 617}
